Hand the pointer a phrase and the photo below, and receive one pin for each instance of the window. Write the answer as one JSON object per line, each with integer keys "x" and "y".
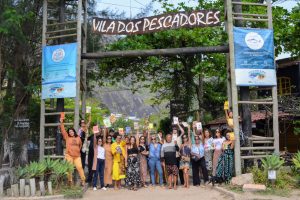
{"x": 284, "y": 86}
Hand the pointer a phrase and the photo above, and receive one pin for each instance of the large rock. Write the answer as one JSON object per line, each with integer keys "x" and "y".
{"x": 242, "y": 179}
{"x": 253, "y": 187}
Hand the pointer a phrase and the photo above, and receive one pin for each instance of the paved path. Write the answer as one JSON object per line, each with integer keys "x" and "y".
{"x": 157, "y": 193}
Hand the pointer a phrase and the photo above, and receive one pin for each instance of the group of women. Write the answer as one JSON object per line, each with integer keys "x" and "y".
{"x": 117, "y": 157}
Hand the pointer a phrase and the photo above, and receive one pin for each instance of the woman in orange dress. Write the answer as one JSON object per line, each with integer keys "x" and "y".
{"x": 108, "y": 159}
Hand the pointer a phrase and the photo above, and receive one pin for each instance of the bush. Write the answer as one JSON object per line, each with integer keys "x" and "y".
{"x": 259, "y": 176}
{"x": 296, "y": 162}
{"x": 55, "y": 170}
{"x": 272, "y": 162}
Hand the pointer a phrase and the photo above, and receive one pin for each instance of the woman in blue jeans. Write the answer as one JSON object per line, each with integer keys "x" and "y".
{"x": 99, "y": 162}
{"x": 154, "y": 160}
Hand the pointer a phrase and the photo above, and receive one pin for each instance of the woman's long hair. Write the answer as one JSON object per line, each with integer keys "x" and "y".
{"x": 75, "y": 133}
{"x": 134, "y": 145}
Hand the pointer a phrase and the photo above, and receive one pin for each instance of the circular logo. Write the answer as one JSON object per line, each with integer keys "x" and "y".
{"x": 254, "y": 41}
{"x": 58, "y": 55}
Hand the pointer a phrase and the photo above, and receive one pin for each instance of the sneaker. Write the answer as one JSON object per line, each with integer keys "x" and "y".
{"x": 94, "y": 188}
{"x": 104, "y": 188}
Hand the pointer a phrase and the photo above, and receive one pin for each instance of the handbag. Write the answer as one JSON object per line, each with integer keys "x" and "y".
{"x": 195, "y": 158}
{"x": 186, "y": 158}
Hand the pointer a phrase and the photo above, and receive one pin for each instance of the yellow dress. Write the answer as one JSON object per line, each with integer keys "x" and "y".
{"x": 118, "y": 161}
{"x": 230, "y": 122}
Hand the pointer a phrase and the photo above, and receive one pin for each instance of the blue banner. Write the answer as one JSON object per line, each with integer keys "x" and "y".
{"x": 59, "y": 71}
{"x": 254, "y": 57}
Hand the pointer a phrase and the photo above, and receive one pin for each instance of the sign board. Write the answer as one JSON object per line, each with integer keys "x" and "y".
{"x": 106, "y": 122}
{"x": 175, "y": 120}
{"x": 136, "y": 125}
{"x": 88, "y": 109}
{"x": 226, "y": 105}
{"x": 127, "y": 129}
{"x": 150, "y": 126}
{"x": 199, "y": 126}
{"x": 121, "y": 131}
{"x": 96, "y": 129}
{"x": 22, "y": 123}
{"x": 200, "y": 18}
{"x": 59, "y": 71}
{"x": 185, "y": 124}
{"x": 254, "y": 57}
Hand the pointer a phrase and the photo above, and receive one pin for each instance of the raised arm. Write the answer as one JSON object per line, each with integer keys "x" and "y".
{"x": 181, "y": 130}
{"x": 226, "y": 114}
{"x": 89, "y": 121}
{"x": 95, "y": 140}
{"x": 63, "y": 130}
{"x": 137, "y": 138}
{"x": 104, "y": 134}
{"x": 189, "y": 135}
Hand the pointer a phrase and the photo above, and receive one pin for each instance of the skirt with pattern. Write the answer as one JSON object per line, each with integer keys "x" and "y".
{"x": 133, "y": 177}
{"x": 225, "y": 165}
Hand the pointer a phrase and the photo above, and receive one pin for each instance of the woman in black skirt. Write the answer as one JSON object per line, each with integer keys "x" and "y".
{"x": 133, "y": 179}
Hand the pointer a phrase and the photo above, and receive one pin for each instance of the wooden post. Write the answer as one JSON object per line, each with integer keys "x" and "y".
{"x": 50, "y": 191}
{"x": 27, "y": 191}
{"x": 22, "y": 187}
{"x": 32, "y": 186}
{"x": 42, "y": 188}
{"x": 15, "y": 190}
{"x": 77, "y": 98}
{"x": 8, "y": 192}
{"x": 274, "y": 91}
{"x": 42, "y": 117}
{"x": 84, "y": 61}
{"x": 237, "y": 150}
{"x": 2, "y": 185}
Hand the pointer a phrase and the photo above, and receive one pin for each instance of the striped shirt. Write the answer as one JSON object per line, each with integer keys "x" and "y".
{"x": 168, "y": 153}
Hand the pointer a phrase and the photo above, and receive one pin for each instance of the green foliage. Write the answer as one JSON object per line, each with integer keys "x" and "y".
{"x": 74, "y": 192}
{"x": 296, "y": 162}
{"x": 259, "y": 176}
{"x": 272, "y": 162}
{"x": 122, "y": 123}
{"x": 32, "y": 170}
{"x": 56, "y": 170}
{"x": 283, "y": 180}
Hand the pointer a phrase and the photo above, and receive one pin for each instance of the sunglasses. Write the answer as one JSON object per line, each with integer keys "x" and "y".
{"x": 153, "y": 139}
{"x": 109, "y": 138}
{"x": 197, "y": 139}
{"x": 99, "y": 140}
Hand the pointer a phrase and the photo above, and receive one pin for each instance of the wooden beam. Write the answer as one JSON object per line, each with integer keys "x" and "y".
{"x": 157, "y": 52}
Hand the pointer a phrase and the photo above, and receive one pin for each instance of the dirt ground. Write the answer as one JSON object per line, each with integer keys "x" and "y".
{"x": 157, "y": 193}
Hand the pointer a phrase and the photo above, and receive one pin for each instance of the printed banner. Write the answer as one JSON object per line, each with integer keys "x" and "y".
{"x": 254, "y": 57}
{"x": 59, "y": 71}
{"x": 200, "y": 18}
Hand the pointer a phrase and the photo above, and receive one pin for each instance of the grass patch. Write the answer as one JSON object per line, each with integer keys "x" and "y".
{"x": 276, "y": 192}
{"x": 73, "y": 192}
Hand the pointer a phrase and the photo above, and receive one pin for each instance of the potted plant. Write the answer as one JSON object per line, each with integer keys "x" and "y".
{"x": 271, "y": 164}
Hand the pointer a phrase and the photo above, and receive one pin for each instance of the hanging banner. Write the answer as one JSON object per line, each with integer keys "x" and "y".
{"x": 59, "y": 71}
{"x": 201, "y": 18}
{"x": 254, "y": 57}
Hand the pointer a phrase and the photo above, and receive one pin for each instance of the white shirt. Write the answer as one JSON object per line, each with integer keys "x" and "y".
{"x": 101, "y": 153}
{"x": 218, "y": 143}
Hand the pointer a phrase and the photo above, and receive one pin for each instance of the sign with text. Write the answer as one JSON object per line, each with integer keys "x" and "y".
{"x": 59, "y": 71}
{"x": 254, "y": 57}
{"x": 22, "y": 123}
{"x": 201, "y": 18}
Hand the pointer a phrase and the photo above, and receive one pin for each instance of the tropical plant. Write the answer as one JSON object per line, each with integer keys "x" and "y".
{"x": 296, "y": 160}
{"x": 272, "y": 162}
{"x": 35, "y": 170}
{"x": 60, "y": 172}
